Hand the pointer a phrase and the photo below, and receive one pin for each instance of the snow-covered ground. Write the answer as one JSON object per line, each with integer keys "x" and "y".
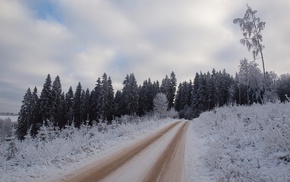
{"x": 241, "y": 144}
{"x": 35, "y": 160}
{"x": 12, "y": 118}
{"x": 227, "y": 144}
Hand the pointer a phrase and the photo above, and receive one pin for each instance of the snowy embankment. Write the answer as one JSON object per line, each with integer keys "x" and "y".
{"x": 241, "y": 144}
{"x": 35, "y": 159}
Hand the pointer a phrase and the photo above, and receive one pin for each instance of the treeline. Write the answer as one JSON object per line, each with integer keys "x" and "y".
{"x": 82, "y": 106}
{"x": 207, "y": 90}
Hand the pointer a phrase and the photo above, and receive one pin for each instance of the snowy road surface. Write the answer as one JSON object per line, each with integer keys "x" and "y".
{"x": 159, "y": 157}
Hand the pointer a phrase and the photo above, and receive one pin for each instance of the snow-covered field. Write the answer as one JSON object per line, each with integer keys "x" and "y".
{"x": 241, "y": 144}
{"x": 227, "y": 144}
{"x": 34, "y": 160}
{"x": 12, "y": 118}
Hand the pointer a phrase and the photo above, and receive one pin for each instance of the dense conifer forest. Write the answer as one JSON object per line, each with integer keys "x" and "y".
{"x": 206, "y": 91}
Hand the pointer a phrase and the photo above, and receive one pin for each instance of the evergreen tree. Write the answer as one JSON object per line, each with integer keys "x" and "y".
{"x": 25, "y": 116}
{"x": 118, "y": 104}
{"x": 69, "y": 112}
{"x": 171, "y": 91}
{"x": 130, "y": 95}
{"x": 77, "y": 104}
{"x": 283, "y": 87}
{"x": 63, "y": 119}
{"x": 168, "y": 87}
{"x": 86, "y": 104}
{"x": 95, "y": 113}
{"x": 106, "y": 99}
{"x": 56, "y": 101}
{"x": 46, "y": 104}
{"x": 146, "y": 96}
{"x": 36, "y": 115}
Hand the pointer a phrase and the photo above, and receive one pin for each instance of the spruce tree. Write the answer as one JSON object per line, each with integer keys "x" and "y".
{"x": 36, "y": 115}
{"x": 69, "y": 113}
{"x": 106, "y": 99}
{"x": 130, "y": 95}
{"x": 25, "y": 115}
{"x": 46, "y": 104}
{"x": 56, "y": 101}
{"x": 118, "y": 110}
{"x": 77, "y": 104}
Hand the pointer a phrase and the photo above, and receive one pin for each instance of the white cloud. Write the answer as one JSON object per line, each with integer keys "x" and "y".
{"x": 148, "y": 38}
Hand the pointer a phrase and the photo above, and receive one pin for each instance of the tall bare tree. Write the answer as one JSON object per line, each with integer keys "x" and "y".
{"x": 251, "y": 26}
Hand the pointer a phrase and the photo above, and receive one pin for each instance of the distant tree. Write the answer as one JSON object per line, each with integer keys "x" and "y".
{"x": 168, "y": 87}
{"x": 160, "y": 104}
{"x": 183, "y": 96}
{"x": 130, "y": 95}
{"x": 270, "y": 86}
{"x": 283, "y": 87}
{"x": 250, "y": 77}
{"x": 118, "y": 110}
{"x": 106, "y": 99}
{"x": 252, "y": 27}
{"x": 146, "y": 96}
{"x": 86, "y": 104}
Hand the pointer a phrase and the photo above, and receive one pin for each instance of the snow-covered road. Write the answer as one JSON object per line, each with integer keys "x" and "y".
{"x": 157, "y": 157}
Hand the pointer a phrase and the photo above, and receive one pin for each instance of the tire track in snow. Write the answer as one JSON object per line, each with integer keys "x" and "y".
{"x": 112, "y": 163}
{"x": 170, "y": 165}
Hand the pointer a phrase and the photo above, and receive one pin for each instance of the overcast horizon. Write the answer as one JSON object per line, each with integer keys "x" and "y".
{"x": 79, "y": 40}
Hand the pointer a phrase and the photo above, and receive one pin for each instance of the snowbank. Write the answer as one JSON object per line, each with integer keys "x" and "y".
{"x": 242, "y": 144}
{"x": 35, "y": 159}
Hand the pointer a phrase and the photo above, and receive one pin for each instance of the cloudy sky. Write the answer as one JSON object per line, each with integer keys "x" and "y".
{"x": 79, "y": 40}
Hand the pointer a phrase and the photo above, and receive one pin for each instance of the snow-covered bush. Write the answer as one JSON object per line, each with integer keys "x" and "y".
{"x": 5, "y": 128}
{"x": 248, "y": 143}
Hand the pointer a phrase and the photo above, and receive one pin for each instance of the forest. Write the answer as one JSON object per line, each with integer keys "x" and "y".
{"x": 54, "y": 107}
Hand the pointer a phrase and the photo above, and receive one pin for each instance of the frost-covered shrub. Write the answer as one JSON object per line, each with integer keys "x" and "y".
{"x": 52, "y": 149}
{"x": 5, "y": 128}
{"x": 249, "y": 143}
